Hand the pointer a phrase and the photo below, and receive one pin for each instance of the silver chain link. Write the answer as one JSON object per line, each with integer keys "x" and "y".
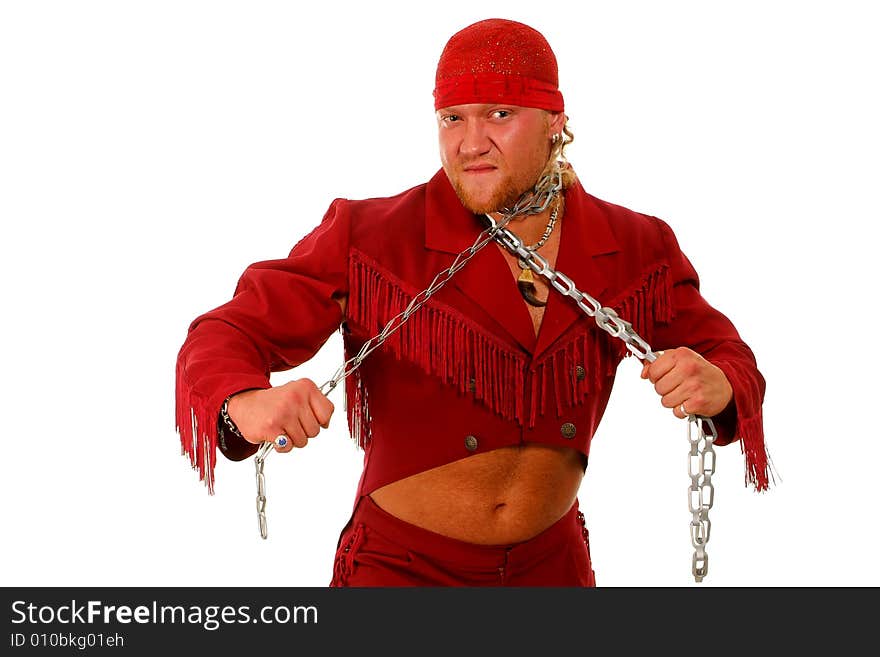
{"x": 701, "y": 492}
{"x": 259, "y": 461}
{"x": 533, "y": 202}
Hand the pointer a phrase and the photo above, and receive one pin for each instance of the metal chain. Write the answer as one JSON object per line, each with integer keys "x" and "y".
{"x": 259, "y": 461}
{"x": 533, "y": 202}
{"x": 701, "y": 492}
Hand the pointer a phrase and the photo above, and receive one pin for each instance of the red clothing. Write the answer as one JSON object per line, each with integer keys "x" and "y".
{"x": 378, "y": 549}
{"x": 466, "y": 374}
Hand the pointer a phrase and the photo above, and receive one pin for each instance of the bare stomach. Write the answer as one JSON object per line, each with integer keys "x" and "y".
{"x": 504, "y": 496}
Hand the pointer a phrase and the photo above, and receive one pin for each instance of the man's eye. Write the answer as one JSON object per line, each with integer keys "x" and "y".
{"x": 501, "y": 114}
{"x": 450, "y": 118}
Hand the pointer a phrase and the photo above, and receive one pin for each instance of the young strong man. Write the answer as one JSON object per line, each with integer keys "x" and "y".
{"x": 476, "y": 416}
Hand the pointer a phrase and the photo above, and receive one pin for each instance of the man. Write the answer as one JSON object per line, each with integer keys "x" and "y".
{"x": 476, "y": 416}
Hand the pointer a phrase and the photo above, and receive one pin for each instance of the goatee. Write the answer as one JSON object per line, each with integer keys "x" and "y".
{"x": 504, "y": 197}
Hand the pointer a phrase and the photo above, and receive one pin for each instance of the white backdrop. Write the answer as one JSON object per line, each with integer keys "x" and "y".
{"x": 149, "y": 151}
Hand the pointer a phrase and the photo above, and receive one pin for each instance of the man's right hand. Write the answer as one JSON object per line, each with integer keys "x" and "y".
{"x": 298, "y": 409}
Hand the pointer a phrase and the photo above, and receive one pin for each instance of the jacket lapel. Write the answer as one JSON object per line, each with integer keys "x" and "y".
{"x": 485, "y": 279}
{"x": 587, "y": 255}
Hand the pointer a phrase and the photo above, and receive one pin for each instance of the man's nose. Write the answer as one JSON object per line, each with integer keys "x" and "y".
{"x": 476, "y": 140}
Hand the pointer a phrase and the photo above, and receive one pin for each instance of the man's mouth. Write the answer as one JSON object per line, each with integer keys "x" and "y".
{"x": 479, "y": 168}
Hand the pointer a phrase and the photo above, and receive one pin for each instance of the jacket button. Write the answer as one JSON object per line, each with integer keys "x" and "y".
{"x": 568, "y": 430}
{"x": 472, "y": 385}
{"x": 470, "y": 443}
{"x": 580, "y": 373}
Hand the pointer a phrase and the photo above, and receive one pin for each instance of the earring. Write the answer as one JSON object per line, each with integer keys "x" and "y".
{"x": 555, "y": 138}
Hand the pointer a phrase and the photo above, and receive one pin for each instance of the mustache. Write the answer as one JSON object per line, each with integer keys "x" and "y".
{"x": 477, "y": 162}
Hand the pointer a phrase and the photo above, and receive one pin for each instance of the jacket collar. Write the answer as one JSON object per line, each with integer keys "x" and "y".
{"x": 486, "y": 279}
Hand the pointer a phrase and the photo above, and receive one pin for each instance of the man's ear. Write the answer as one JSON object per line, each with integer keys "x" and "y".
{"x": 557, "y": 122}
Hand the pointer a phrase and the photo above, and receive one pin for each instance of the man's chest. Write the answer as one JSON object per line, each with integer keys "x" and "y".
{"x": 535, "y": 287}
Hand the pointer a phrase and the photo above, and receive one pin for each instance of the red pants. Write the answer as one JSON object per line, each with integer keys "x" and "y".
{"x": 378, "y": 549}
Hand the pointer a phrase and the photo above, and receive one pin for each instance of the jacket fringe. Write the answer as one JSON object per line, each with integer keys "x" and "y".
{"x": 759, "y": 471}
{"x": 437, "y": 339}
{"x": 447, "y": 344}
{"x": 197, "y": 430}
{"x": 441, "y": 341}
{"x": 357, "y": 407}
{"x": 646, "y": 302}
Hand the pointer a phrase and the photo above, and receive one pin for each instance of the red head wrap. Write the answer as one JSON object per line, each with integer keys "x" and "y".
{"x": 498, "y": 61}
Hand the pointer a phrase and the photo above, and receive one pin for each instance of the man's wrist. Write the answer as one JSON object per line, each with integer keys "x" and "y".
{"x": 233, "y": 445}
{"x": 228, "y": 424}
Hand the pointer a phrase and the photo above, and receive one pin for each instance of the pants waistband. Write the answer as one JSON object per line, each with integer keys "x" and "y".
{"x": 455, "y": 551}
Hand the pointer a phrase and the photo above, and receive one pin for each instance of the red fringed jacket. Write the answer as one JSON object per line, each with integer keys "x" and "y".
{"x": 466, "y": 374}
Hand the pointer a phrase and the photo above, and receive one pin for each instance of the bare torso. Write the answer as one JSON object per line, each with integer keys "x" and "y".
{"x": 503, "y": 496}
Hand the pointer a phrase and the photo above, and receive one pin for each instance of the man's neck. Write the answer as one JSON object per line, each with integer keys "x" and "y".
{"x": 531, "y": 228}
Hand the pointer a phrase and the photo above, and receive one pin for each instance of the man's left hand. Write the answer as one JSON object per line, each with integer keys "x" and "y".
{"x": 683, "y": 377}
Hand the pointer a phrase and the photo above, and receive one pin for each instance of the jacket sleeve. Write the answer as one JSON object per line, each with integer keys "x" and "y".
{"x": 697, "y": 325}
{"x": 281, "y": 313}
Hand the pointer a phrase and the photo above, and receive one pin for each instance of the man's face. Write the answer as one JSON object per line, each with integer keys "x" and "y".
{"x": 494, "y": 153}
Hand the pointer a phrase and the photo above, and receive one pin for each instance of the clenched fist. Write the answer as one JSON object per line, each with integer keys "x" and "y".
{"x": 298, "y": 409}
{"x": 683, "y": 377}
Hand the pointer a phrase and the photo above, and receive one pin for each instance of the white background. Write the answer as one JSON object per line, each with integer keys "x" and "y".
{"x": 149, "y": 151}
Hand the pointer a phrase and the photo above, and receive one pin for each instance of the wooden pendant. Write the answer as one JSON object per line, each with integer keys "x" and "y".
{"x": 526, "y": 284}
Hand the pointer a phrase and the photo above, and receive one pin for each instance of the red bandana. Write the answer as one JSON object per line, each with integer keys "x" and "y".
{"x": 498, "y": 61}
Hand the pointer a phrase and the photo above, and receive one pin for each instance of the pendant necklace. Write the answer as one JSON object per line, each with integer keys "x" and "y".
{"x": 525, "y": 281}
